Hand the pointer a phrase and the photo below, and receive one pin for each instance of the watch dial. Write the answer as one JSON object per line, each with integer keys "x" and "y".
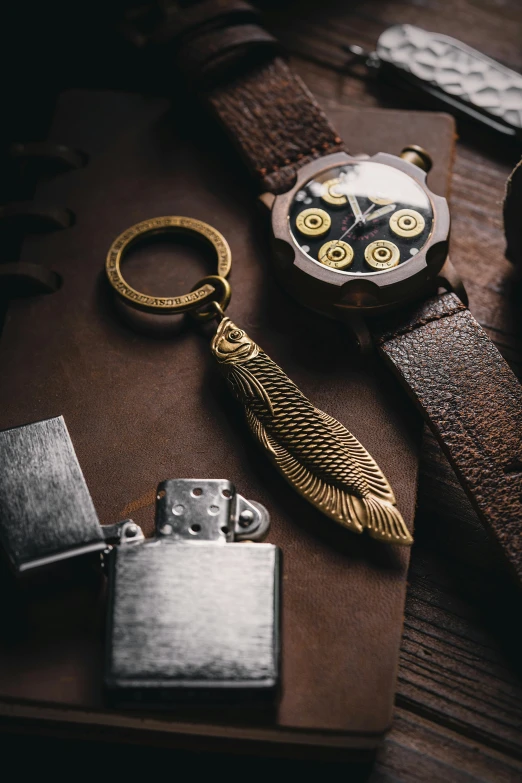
{"x": 361, "y": 218}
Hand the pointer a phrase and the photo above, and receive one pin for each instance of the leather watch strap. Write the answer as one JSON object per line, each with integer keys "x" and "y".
{"x": 266, "y": 109}
{"x": 472, "y": 402}
{"x": 275, "y": 121}
{"x": 455, "y": 374}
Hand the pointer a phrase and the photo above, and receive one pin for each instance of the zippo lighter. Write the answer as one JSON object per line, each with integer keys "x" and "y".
{"x": 46, "y": 511}
{"x": 193, "y": 614}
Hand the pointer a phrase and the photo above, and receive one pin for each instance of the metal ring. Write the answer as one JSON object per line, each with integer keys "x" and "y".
{"x": 200, "y": 295}
{"x": 222, "y": 299}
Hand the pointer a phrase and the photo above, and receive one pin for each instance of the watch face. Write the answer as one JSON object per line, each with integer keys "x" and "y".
{"x": 361, "y": 218}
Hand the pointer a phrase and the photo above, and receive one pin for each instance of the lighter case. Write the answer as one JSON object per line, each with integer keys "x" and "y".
{"x": 46, "y": 510}
{"x": 194, "y": 613}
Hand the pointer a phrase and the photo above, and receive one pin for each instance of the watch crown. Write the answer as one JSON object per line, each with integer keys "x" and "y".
{"x": 418, "y": 156}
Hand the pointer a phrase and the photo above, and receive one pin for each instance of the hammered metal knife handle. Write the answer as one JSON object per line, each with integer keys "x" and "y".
{"x": 456, "y": 75}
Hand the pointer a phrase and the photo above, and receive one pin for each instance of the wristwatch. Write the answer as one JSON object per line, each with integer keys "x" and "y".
{"x": 363, "y": 240}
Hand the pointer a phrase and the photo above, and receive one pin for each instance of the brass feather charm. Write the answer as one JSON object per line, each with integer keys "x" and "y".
{"x": 317, "y": 455}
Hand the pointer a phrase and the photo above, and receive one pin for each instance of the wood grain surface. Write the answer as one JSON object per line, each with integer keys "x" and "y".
{"x": 459, "y": 698}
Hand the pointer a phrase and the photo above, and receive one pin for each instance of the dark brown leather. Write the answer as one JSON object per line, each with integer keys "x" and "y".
{"x": 269, "y": 113}
{"x": 217, "y": 53}
{"x": 26, "y": 279}
{"x": 211, "y": 40}
{"x": 473, "y": 403}
{"x": 266, "y": 135}
{"x": 46, "y": 152}
{"x": 141, "y": 409}
{"x": 174, "y": 22}
{"x": 186, "y": 19}
{"x": 275, "y": 121}
{"x": 31, "y": 216}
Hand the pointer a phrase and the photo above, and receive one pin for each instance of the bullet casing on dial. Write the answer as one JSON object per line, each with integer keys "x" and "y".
{"x": 382, "y": 254}
{"x": 313, "y": 222}
{"x": 329, "y": 194}
{"x": 380, "y": 199}
{"x": 336, "y": 254}
{"x": 407, "y": 223}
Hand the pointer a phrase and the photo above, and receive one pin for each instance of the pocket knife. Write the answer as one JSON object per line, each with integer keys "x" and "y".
{"x": 454, "y": 76}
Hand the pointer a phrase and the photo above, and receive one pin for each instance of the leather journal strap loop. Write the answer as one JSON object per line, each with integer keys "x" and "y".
{"x": 472, "y": 402}
{"x": 189, "y": 18}
{"x": 214, "y": 54}
{"x": 175, "y": 22}
{"x": 214, "y": 38}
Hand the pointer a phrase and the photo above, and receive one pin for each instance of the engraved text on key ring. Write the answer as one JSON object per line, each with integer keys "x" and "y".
{"x": 208, "y": 290}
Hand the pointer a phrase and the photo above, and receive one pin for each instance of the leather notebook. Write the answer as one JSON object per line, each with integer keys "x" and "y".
{"x": 144, "y": 407}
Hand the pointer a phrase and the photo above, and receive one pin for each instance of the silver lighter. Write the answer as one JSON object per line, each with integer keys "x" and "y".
{"x": 193, "y": 613}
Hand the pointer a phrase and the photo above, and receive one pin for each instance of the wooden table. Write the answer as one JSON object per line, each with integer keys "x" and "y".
{"x": 459, "y": 699}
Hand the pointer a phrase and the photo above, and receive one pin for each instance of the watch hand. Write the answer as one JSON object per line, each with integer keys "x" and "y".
{"x": 356, "y": 209}
{"x": 367, "y": 212}
{"x": 357, "y": 220}
{"x": 383, "y": 211}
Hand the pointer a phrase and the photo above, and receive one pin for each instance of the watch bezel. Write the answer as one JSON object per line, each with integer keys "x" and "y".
{"x": 336, "y": 293}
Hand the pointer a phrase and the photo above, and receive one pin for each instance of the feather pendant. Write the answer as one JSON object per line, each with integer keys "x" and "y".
{"x": 316, "y": 454}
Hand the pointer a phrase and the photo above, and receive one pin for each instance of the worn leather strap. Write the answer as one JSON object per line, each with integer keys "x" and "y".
{"x": 174, "y": 22}
{"x": 267, "y": 110}
{"x": 275, "y": 121}
{"x": 215, "y": 54}
{"x": 472, "y": 402}
{"x": 195, "y": 16}
{"x": 465, "y": 389}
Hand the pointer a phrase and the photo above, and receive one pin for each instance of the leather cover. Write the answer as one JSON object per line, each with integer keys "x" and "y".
{"x": 472, "y": 401}
{"x": 141, "y": 408}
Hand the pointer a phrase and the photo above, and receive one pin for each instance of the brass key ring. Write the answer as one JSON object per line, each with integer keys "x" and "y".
{"x": 213, "y": 288}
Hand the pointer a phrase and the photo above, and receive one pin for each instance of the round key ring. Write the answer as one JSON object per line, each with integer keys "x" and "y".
{"x": 213, "y": 288}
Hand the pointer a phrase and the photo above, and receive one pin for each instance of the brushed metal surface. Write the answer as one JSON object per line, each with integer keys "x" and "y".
{"x": 192, "y": 619}
{"x": 46, "y": 511}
